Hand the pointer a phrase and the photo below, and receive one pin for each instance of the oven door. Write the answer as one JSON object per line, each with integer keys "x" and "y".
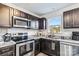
{"x": 25, "y": 48}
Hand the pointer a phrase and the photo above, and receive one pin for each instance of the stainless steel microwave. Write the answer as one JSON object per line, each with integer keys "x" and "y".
{"x": 21, "y": 22}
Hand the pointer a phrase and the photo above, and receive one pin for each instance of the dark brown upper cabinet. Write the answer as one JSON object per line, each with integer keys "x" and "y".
{"x": 17, "y": 12}
{"x": 24, "y": 15}
{"x": 42, "y": 23}
{"x": 71, "y": 19}
{"x": 76, "y": 18}
{"x": 10, "y": 16}
{"x": 4, "y": 16}
{"x": 7, "y": 12}
{"x": 30, "y": 17}
{"x": 21, "y": 14}
{"x": 68, "y": 19}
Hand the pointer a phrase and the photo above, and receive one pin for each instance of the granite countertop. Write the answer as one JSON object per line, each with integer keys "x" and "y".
{"x": 3, "y": 44}
{"x": 64, "y": 41}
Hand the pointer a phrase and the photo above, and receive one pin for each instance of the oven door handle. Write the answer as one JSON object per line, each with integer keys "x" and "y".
{"x": 25, "y": 43}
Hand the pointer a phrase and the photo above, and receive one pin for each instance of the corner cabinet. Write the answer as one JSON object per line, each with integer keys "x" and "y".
{"x": 50, "y": 47}
{"x": 71, "y": 19}
{"x": 42, "y": 23}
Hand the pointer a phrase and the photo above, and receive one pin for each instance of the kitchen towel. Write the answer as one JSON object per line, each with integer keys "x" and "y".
{"x": 28, "y": 47}
{"x": 53, "y": 46}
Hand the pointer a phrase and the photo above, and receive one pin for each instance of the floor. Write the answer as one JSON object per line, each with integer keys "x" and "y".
{"x": 42, "y": 54}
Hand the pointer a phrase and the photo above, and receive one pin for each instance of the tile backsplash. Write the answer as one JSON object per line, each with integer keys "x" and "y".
{"x": 19, "y": 30}
{"x": 16, "y": 30}
{"x": 3, "y": 31}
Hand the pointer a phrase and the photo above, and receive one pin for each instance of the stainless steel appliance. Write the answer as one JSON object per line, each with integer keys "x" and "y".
{"x": 23, "y": 45}
{"x": 19, "y": 37}
{"x": 21, "y": 22}
{"x": 25, "y": 49}
{"x": 75, "y": 36}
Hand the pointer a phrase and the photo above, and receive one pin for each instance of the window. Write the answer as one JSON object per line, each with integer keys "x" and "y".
{"x": 54, "y": 24}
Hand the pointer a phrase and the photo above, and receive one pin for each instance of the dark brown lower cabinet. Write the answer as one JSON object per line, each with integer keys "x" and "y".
{"x": 47, "y": 46}
{"x": 71, "y": 19}
{"x": 37, "y": 46}
{"x": 42, "y": 45}
{"x": 8, "y": 51}
{"x": 50, "y": 47}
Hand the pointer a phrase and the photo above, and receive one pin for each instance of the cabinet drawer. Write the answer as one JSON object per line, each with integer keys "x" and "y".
{"x": 6, "y": 49}
{"x": 10, "y": 53}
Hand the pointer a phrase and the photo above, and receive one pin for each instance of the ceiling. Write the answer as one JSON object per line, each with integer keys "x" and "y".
{"x": 42, "y": 8}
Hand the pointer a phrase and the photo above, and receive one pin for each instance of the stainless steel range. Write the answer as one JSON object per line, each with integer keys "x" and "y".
{"x": 23, "y": 45}
{"x": 19, "y": 37}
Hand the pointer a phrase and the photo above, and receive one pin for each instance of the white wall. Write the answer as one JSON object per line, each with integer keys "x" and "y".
{"x": 17, "y": 30}
{"x": 60, "y": 11}
{"x": 20, "y": 30}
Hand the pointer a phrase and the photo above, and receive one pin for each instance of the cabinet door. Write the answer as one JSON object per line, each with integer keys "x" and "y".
{"x": 29, "y": 24}
{"x": 76, "y": 18}
{"x": 37, "y": 46}
{"x": 42, "y": 23}
{"x": 17, "y": 12}
{"x": 57, "y": 47}
{"x": 11, "y": 14}
{"x": 45, "y": 46}
{"x": 4, "y": 16}
{"x": 29, "y": 16}
{"x": 48, "y": 46}
{"x": 23, "y": 14}
{"x": 34, "y": 24}
{"x": 42, "y": 45}
{"x": 37, "y": 49}
{"x": 9, "y": 53}
{"x": 68, "y": 19}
